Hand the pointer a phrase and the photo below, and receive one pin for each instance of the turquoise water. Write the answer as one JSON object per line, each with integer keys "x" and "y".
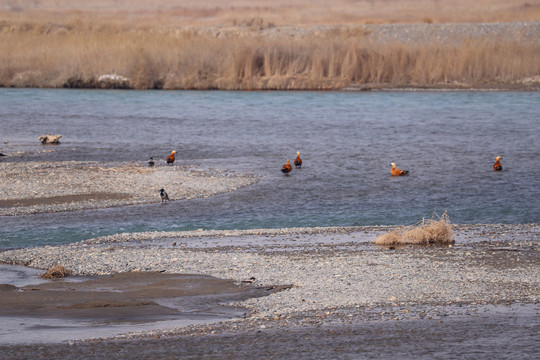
{"x": 447, "y": 140}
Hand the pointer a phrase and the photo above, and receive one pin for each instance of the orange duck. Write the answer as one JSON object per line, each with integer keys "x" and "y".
{"x": 497, "y": 166}
{"x": 398, "y": 172}
{"x": 298, "y": 161}
{"x": 170, "y": 158}
{"x": 287, "y": 168}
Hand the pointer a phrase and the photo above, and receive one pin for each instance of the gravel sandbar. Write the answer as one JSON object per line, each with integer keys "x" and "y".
{"x": 35, "y": 187}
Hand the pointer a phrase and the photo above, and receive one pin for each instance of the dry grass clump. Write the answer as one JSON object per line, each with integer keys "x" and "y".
{"x": 56, "y": 272}
{"x": 428, "y": 232}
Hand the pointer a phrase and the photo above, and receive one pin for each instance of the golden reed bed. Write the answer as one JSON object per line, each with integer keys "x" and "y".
{"x": 178, "y": 45}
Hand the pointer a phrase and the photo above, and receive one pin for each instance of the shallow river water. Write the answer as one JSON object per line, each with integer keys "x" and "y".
{"x": 447, "y": 140}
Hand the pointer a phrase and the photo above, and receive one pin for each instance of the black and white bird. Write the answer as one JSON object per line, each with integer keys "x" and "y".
{"x": 163, "y": 194}
{"x": 151, "y": 162}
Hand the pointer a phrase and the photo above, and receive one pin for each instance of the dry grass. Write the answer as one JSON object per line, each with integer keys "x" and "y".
{"x": 77, "y": 54}
{"x": 56, "y": 272}
{"x": 148, "y": 45}
{"x": 428, "y": 232}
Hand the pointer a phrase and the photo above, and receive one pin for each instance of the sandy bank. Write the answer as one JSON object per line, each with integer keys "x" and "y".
{"x": 34, "y": 187}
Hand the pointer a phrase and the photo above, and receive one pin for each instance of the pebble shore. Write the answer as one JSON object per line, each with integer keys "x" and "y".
{"x": 337, "y": 274}
{"x": 36, "y": 187}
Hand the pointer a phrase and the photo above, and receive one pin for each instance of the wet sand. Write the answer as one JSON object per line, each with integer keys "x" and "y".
{"x": 504, "y": 332}
{"x": 117, "y": 301}
{"x": 126, "y": 296}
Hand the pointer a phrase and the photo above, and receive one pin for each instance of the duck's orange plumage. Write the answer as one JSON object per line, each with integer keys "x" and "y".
{"x": 298, "y": 161}
{"x": 398, "y": 172}
{"x": 287, "y": 168}
{"x": 170, "y": 158}
{"x": 497, "y": 166}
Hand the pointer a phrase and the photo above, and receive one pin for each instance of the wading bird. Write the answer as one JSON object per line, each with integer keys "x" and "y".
{"x": 287, "y": 168}
{"x": 163, "y": 194}
{"x": 298, "y": 161}
{"x": 497, "y": 166}
{"x": 151, "y": 162}
{"x": 397, "y": 172}
{"x": 170, "y": 158}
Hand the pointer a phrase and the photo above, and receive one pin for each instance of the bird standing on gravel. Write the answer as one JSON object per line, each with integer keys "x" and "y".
{"x": 298, "y": 161}
{"x": 151, "y": 162}
{"x": 287, "y": 168}
{"x": 398, "y": 172}
{"x": 170, "y": 158}
{"x": 163, "y": 194}
{"x": 497, "y": 166}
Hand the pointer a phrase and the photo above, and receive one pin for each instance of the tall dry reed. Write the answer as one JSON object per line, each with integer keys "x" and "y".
{"x": 77, "y": 53}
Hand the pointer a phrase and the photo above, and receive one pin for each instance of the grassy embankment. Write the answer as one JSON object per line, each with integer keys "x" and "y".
{"x": 68, "y": 52}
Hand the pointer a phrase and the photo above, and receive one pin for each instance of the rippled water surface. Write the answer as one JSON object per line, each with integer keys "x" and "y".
{"x": 447, "y": 140}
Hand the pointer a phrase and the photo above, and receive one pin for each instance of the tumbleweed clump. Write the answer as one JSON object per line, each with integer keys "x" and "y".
{"x": 427, "y": 232}
{"x": 55, "y": 272}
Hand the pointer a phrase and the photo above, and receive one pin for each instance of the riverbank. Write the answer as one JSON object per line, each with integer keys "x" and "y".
{"x": 490, "y": 56}
{"x": 338, "y": 277}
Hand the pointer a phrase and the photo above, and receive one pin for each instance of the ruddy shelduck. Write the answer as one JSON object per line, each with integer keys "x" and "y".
{"x": 287, "y": 168}
{"x": 398, "y": 172}
{"x": 170, "y": 158}
{"x": 298, "y": 161}
{"x": 497, "y": 166}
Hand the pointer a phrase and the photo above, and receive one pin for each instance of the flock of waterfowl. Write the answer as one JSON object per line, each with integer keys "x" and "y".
{"x": 287, "y": 168}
